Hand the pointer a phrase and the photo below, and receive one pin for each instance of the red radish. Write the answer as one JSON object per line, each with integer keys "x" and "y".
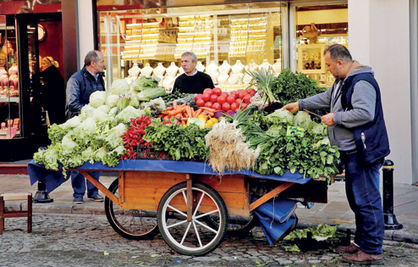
{"x": 216, "y": 106}
{"x": 208, "y": 104}
{"x": 225, "y": 106}
{"x": 213, "y": 98}
{"x": 216, "y": 91}
{"x": 207, "y": 91}
{"x": 205, "y": 97}
{"x": 200, "y": 102}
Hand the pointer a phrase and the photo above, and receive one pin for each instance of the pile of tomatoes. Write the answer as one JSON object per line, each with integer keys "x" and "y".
{"x": 218, "y": 100}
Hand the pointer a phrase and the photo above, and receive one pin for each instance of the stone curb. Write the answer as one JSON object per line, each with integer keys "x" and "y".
{"x": 95, "y": 208}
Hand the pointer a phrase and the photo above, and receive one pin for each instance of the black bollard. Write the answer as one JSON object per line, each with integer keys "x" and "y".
{"x": 390, "y": 219}
{"x": 41, "y": 196}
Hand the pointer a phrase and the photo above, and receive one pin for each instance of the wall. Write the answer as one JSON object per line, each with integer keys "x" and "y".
{"x": 85, "y": 29}
{"x": 379, "y": 37}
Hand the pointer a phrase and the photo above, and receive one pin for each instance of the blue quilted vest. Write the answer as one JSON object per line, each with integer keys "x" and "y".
{"x": 371, "y": 139}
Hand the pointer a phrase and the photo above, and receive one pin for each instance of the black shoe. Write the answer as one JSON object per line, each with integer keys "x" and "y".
{"x": 78, "y": 200}
{"x": 96, "y": 198}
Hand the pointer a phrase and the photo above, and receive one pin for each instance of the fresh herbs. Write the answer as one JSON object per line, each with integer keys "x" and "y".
{"x": 180, "y": 142}
{"x": 264, "y": 80}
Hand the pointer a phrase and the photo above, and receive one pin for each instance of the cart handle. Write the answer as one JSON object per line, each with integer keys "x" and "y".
{"x": 100, "y": 186}
{"x": 270, "y": 195}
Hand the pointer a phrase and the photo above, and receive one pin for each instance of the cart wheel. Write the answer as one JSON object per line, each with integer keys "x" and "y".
{"x": 131, "y": 224}
{"x": 236, "y": 226}
{"x": 196, "y": 237}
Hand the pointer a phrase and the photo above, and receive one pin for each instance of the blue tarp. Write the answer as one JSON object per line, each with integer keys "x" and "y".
{"x": 53, "y": 179}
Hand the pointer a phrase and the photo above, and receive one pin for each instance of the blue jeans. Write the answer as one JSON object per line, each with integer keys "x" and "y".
{"x": 79, "y": 184}
{"x": 363, "y": 194}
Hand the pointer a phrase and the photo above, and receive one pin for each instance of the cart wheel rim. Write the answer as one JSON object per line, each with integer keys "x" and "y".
{"x": 195, "y": 224}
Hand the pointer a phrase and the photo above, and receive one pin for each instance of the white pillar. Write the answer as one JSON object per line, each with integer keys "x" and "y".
{"x": 379, "y": 36}
{"x": 85, "y": 29}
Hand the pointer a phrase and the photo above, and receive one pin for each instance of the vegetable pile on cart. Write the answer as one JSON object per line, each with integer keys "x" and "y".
{"x": 229, "y": 133}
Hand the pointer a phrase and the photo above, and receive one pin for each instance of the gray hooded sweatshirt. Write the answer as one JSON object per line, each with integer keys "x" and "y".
{"x": 363, "y": 101}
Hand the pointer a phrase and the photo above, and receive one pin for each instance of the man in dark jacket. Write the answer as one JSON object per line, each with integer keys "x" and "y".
{"x": 356, "y": 125}
{"x": 79, "y": 88}
{"x": 191, "y": 81}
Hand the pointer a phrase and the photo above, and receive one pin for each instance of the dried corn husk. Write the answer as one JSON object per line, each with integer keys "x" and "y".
{"x": 227, "y": 149}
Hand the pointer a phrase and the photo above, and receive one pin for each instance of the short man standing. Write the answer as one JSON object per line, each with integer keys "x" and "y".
{"x": 191, "y": 81}
{"x": 79, "y": 88}
{"x": 356, "y": 125}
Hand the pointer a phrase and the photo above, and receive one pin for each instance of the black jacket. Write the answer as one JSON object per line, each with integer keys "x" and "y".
{"x": 52, "y": 94}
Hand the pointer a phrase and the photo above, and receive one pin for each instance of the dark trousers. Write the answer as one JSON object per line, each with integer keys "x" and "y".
{"x": 79, "y": 184}
{"x": 362, "y": 189}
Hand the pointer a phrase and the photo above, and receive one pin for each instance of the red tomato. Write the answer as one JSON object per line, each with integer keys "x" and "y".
{"x": 234, "y": 106}
{"x": 243, "y": 106}
{"x": 225, "y": 106}
{"x": 247, "y": 98}
{"x": 230, "y": 99}
{"x": 205, "y": 97}
{"x": 224, "y": 94}
{"x": 200, "y": 102}
{"x": 221, "y": 99}
{"x": 216, "y": 106}
{"x": 198, "y": 96}
{"x": 217, "y": 91}
{"x": 207, "y": 91}
{"x": 241, "y": 93}
{"x": 208, "y": 104}
{"x": 213, "y": 98}
{"x": 238, "y": 101}
{"x": 251, "y": 91}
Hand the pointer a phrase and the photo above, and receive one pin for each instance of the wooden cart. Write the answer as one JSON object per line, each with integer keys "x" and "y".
{"x": 191, "y": 211}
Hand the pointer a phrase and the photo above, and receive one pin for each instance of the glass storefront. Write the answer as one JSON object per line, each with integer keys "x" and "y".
{"x": 227, "y": 39}
{"x": 148, "y": 38}
{"x": 316, "y": 28}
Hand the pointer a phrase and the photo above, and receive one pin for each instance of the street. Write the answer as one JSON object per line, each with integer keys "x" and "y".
{"x": 88, "y": 240}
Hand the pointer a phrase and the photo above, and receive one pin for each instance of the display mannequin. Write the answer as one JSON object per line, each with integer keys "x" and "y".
{"x": 159, "y": 70}
{"x": 238, "y": 67}
{"x": 277, "y": 67}
{"x": 252, "y": 66}
{"x": 134, "y": 71}
{"x": 223, "y": 77}
{"x": 224, "y": 68}
{"x": 147, "y": 70}
{"x": 172, "y": 70}
{"x": 212, "y": 70}
{"x": 265, "y": 65}
{"x": 200, "y": 67}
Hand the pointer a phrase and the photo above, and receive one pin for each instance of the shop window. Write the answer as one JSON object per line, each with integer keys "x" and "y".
{"x": 316, "y": 28}
{"x": 228, "y": 39}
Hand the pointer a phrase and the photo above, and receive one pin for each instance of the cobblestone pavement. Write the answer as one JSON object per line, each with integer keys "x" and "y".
{"x": 86, "y": 240}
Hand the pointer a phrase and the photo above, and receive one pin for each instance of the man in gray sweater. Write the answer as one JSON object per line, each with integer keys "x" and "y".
{"x": 356, "y": 125}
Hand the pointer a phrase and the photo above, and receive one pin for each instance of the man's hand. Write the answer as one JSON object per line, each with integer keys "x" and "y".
{"x": 328, "y": 119}
{"x": 292, "y": 107}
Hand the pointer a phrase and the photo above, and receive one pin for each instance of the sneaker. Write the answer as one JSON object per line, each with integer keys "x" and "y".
{"x": 78, "y": 200}
{"x": 96, "y": 198}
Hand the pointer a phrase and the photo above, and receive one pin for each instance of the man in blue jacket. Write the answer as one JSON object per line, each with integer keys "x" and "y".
{"x": 356, "y": 125}
{"x": 79, "y": 88}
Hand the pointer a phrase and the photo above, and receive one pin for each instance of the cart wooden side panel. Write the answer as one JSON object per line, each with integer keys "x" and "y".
{"x": 144, "y": 189}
